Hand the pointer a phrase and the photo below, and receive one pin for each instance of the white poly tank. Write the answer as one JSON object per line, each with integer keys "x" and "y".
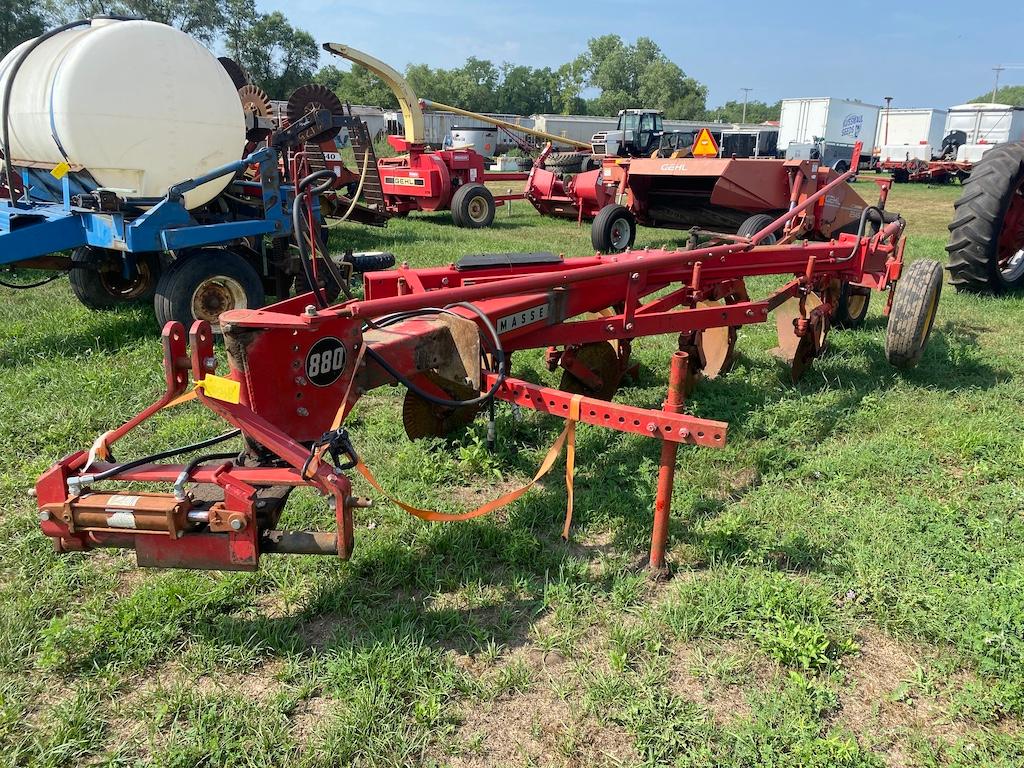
{"x": 137, "y": 105}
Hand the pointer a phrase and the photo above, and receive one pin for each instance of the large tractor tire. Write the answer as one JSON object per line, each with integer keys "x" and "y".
{"x": 202, "y": 284}
{"x": 913, "y": 313}
{"x": 986, "y": 240}
{"x": 98, "y": 281}
{"x": 473, "y": 206}
{"x": 613, "y": 229}
{"x": 565, "y": 162}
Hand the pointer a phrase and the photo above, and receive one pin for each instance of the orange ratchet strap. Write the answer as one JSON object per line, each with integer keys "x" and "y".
{"x": 568, "y": 438}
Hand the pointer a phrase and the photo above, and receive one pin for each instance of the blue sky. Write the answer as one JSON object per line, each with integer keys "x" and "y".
{"x": 923, "y": 54}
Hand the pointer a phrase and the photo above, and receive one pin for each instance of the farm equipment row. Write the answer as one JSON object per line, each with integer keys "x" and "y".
{"x": 447, "y": 334}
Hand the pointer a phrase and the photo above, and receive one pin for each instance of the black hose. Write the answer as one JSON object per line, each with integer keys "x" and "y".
{"x": 26, "y": 286}
{"x": 862, "y": 225}
{"x": 8, "y": 89}
{"x": 497, "y": 350}
{"x": 302, "y": 190}
{"x": 164, "y": 455}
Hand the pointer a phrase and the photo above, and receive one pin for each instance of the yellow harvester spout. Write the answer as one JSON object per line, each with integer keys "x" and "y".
{"x": 411, "y": 112}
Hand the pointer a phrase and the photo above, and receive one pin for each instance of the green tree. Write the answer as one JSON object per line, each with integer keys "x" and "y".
{"x": 203, "y": 19}
{"x": 18, "y": 22}
{"x": 277, "y": 56}
{"x": 638, "y": 75}
{"x": 525, "y": 91}
{"x": 1008, "y": 94}
{"x": 357, "y": 86}
{"x": 757, "y": 112}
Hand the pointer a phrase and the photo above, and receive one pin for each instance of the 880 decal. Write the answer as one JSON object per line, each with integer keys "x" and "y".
{"x": 326, "y": 361}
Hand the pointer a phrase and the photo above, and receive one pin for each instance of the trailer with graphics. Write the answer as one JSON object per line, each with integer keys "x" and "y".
{"x": 826, "y": 129}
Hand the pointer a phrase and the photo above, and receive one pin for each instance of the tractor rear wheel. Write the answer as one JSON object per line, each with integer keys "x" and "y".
{"x": 98, "y": 281}
{"x": 614, "y": 229}
{"x": 986, "y": 240}
{"x": 202, "y": 284}
{"x": 913, "y": 313}
{"x": 473, "y": 206}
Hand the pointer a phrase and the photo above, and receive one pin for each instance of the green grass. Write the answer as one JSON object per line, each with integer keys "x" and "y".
{"x": 849, "y": 571}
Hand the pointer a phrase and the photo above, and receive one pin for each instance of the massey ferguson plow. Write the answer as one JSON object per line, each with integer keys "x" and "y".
{"x": 299, "y": 367}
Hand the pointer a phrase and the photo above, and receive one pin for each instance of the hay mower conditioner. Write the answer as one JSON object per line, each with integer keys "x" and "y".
{"x": 297, "y": 370}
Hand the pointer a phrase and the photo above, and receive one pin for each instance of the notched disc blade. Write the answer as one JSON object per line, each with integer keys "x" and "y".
{"x": 310, "y": 98}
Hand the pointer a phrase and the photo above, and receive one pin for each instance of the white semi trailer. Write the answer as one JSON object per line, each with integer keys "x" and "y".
{"x": 910, "y": 134}
{"x": 827, "y": 129}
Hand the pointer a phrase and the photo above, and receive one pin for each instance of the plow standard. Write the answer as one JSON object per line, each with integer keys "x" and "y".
{"x": 297, "y": 369}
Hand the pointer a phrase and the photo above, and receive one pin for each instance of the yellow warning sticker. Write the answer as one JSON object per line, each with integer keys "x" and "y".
{"x": 60, "y": 171}
{"x": 221, "y": 388}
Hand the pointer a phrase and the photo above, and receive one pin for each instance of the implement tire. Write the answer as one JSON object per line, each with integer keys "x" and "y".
{"x": 613, "y": 229}
{"x": 986, "y": 240}
{"x": 913, "y": 313}
{"x": 202, "y": 284}
{"x": 473, "y": 206}
{"x": 98, "y": 281}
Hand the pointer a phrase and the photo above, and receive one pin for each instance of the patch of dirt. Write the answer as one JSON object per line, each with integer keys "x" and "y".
{"x": 725, "y": 700}
{"x": 471, "y": 497}
{"x": 868, "y": 706}
{"x": 309, "y": 716}
{"x": 536, "y": 728}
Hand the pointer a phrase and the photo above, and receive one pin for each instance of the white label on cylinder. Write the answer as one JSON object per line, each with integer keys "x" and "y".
{"x": 116, "y": 519}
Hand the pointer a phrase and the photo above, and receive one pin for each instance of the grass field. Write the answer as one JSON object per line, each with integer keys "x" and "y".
{"x": 848, "y": 588}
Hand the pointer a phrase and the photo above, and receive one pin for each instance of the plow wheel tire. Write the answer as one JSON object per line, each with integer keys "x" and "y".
{"x": 754, "y": 224}
{"x": 852, "y": 309}
{"x": 986, "y": 240}
{"x": 473, "y": 206}
{"x": 202, "y": 284}
{"x": 613, "y": 230}
{"x": 98, "y": 281}
{"x": 913, "y": 313}
{"x": 602, "y": 358}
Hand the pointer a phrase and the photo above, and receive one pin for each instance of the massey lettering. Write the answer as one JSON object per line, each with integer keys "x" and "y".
{"x": 519, "y": 319}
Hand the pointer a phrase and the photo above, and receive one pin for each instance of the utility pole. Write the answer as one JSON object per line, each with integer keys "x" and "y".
{"x": 995, "y": 90}
{"x": 746, "y": 92}
{"x": 888, "y": 108}
{"x": 1002, "y": 68}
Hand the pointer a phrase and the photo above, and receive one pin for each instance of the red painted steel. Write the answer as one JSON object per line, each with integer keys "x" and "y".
{"x": 285, "y": 406}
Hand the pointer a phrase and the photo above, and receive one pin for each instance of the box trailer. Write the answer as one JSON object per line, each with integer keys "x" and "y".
{"x": 827, "y": 129}
{"x": 909, "y": 133}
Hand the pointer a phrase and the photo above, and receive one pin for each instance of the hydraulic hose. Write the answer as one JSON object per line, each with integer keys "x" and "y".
{"x": 355, "y": 197}
{"x": 120, "y": 468}
{"x": 303, "y": 190}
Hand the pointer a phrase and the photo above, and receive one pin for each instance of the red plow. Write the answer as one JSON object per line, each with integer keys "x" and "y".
{"x": 298, "y": 368}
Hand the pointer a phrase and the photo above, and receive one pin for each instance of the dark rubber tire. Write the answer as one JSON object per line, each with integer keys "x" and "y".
{"x": 565, "y": 162}
{"x": 852, "y": 308}
{"x": 216, "y": 271}
{"x": 980, "y": 214}
{"x": 97, "y": 281}
{"x": 913, "y": 313}
{"x": 606, "y": 233}
{"x": 473, "y": 206}
{"x": 754, "y": 224}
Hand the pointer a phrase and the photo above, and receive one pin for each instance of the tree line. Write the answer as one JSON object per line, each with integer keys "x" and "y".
{"x": 611, "y": 74}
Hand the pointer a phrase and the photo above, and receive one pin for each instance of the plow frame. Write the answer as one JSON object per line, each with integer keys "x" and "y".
{"x": 286, "y": 410}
